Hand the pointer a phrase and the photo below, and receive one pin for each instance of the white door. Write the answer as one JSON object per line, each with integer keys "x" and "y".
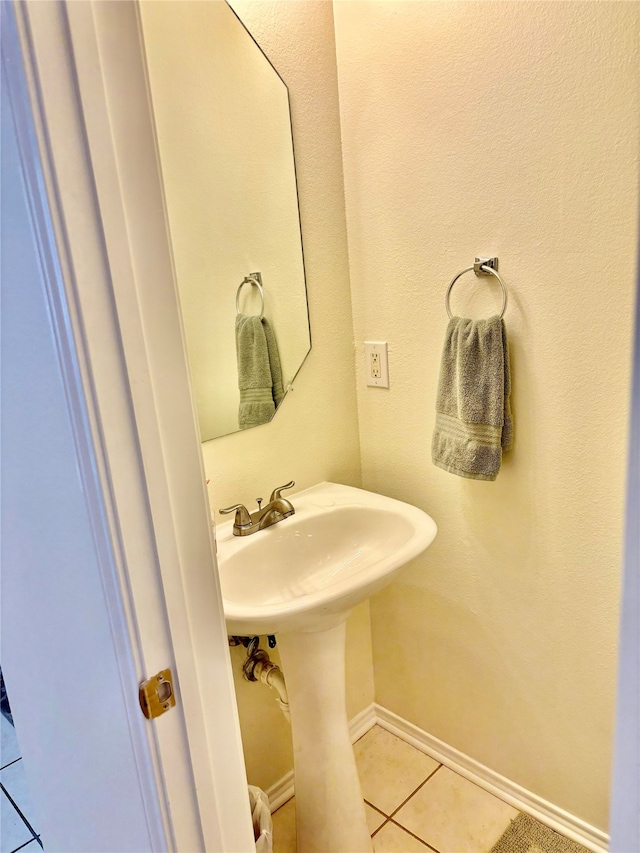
{"x": 108, "y": 572}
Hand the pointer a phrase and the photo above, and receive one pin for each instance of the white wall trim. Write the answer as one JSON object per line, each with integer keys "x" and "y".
{"x": 508, "y": 791}
{"x": 625, "y": 799}
{"x": 281, "y": 791}
{"x": 362, "y": 722}
{"x": 515, "y": 795}
{"x": 108, "y": 56}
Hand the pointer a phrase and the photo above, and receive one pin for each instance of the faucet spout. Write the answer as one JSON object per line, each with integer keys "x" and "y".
{"x": 274, "y": 512}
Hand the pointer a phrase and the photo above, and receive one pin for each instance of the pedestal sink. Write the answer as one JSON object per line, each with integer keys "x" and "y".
{"x": 299, "y": 579}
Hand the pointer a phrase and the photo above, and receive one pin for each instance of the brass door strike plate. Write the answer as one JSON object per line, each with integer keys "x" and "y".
{"x": 156, "y": 694}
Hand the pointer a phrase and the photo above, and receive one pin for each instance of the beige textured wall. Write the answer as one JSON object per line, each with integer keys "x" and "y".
{"x": 314, "y": 436}
{"x": 511, "y": 129}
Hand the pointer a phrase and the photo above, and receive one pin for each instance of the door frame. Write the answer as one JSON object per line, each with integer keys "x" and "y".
{"x": 113, "y": 303}
{"x": 114, "y": 307}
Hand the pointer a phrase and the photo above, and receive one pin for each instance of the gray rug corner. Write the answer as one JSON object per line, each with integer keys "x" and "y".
{"x": 527, "y": 835}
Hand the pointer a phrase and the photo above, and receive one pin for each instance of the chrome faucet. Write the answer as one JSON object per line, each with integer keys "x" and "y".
{"x": 247, "y": 522}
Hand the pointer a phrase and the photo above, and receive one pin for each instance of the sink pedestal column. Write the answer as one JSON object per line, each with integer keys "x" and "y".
{"x": 330, "y": 814}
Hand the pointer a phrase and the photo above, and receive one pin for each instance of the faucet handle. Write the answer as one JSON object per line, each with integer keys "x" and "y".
{"x": 243, "y": 519}
{"x": 276, "y": 493}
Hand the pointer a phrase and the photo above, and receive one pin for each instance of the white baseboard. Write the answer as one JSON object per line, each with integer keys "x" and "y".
{"x": 362, "y": 722}
{"x": 511, "y": 793}
{"x": 280, "y": 792}
{"x": 359, "y": 725}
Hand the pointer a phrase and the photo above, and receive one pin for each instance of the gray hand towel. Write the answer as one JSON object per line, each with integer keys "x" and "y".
{"x": 274, "y": 362}
{"x": 259, "y": 371}
{"x": 473, "y": 411}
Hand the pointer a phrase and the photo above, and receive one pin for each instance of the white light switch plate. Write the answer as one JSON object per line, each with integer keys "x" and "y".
{"x": 376, "y": 363}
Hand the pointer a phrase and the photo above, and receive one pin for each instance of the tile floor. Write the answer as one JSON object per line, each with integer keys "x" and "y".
{"x": 16, "y": 812}
{"x": 413, "y": 804}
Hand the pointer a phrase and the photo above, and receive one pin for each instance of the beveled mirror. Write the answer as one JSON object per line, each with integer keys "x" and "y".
{"x": 226, "y": 153}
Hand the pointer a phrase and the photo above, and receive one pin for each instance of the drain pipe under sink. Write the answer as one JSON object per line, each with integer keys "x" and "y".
{"x": 270, "y": 674}
{"x": 259, "y": 667}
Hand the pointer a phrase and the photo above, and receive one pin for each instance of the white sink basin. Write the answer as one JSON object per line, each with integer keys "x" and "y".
{"x": 309, "y": 570}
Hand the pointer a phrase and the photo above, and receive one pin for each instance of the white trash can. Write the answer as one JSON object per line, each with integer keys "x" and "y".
{"x": 262, "y": 822}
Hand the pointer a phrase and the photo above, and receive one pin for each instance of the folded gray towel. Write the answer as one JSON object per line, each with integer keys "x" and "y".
{"x": 473, "y": 411}
{"x": 259, "y": 371}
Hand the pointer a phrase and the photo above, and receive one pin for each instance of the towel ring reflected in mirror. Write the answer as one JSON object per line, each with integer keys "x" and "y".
{"x": 255, "y": 279}
{"x": 482, "y": 266}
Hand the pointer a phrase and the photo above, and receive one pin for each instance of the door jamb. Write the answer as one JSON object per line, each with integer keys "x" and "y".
{"x": 124, "y": 323}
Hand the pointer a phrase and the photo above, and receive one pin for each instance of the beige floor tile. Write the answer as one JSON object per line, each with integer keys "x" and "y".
{"x": 393, "y": 839}
{"x": 454, "y": 815}
{"x": 374, "y": 818}
{"x": 390, "y": 769}
{"x": 284, "y": 828}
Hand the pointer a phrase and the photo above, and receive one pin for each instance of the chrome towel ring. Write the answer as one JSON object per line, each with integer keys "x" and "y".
{"x": 482, "y": 266}
{"x": 254, "y": 278}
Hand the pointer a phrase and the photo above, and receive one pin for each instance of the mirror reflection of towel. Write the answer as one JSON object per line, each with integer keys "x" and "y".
{"x": 259, "y": 371}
